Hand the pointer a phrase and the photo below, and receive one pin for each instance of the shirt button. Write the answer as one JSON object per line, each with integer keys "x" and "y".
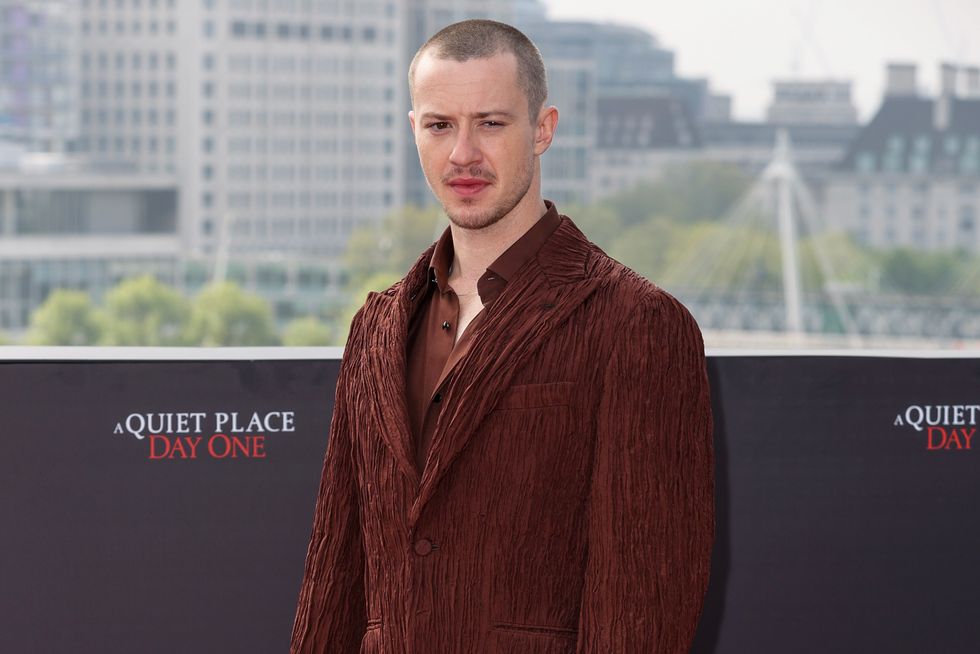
{"x": 423, "y": 546}
{"x": 437, "y": 397}
{"x": 445, "y": 324}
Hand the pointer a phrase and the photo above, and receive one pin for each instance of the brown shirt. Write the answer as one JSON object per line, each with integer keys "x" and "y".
{"x": 431, "y": 355}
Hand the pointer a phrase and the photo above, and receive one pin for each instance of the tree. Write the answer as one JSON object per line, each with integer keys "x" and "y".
{"x": 224, "y": 314}
{"x": 713, "y": 256}
{"x": 598, "y": 222}
{"x": 689, "y": 192}
{"x": 852, "y": 266}
{"x": 66, "y": 317}
{"x": 144, "y": 311}
{"x": 307, "y": 331}
{"x": 645, "y": 247}
{"x": 393, "y": 246}
{"x": 920, "y": 273}
{"x": 375, "y": 283}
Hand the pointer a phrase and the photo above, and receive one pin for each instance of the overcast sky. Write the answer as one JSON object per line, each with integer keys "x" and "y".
{"x": 741, "y": 45}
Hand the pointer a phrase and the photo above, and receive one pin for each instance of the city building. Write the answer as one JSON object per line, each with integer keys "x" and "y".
{"x": 65, "y": 227}
{"x": 911, "y": 177}
{"x": 38, "y": 53}
{"x": 278, "y": 118}
{"x": 749, "y": 145}
{"x": 638, "y": 138}
{"x": 818, "y": 102}
{"x": 606, "y": 79}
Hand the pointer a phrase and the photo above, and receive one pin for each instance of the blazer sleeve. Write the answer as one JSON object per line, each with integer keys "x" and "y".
{"x": 651, "y": 502}
{"x": 331, "y": 615}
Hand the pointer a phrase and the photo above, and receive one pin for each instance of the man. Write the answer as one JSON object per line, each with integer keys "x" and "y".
{"x": 520, "y": 454}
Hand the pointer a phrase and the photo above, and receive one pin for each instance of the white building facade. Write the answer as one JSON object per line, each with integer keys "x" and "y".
{"x": 911, "y": 177}
{"x": 277, "y": 117}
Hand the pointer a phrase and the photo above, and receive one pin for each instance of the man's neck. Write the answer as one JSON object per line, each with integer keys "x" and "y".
{"x": 475, "y": 249}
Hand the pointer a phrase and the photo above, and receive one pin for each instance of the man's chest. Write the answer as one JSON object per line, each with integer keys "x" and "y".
{"x": 469, "y": 308}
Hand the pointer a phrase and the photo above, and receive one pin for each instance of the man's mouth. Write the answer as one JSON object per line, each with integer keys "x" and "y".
{"x": 468, "y": 185}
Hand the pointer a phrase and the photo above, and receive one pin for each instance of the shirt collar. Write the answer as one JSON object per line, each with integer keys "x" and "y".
{"x": 504, "y": 267}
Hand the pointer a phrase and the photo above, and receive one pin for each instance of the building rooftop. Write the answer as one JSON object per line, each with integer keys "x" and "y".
{"x": 644, "y": 123}
{"x": 908, "y": 136}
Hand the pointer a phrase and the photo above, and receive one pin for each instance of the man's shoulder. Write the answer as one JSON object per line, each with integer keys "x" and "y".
{"x": 620, "y": 282}
{"x": 623, "y": 292}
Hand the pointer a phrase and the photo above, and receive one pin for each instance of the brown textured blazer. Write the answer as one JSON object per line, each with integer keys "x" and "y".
{"x": 567, "y": 503}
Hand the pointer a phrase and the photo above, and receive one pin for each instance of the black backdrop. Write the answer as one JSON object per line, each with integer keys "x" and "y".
{"x": 838, "y": 530}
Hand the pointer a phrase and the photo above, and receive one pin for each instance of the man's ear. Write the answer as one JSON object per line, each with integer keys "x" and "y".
{"x": 544, "y": 130}
{"x": 411, "y": 120}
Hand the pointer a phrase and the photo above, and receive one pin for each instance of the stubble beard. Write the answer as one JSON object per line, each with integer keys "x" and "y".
{"x": 473, "y": 218}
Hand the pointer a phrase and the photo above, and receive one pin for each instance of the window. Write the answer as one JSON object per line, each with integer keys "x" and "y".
{"x": 967, "y": 219}
{"x": 865, "y": 162}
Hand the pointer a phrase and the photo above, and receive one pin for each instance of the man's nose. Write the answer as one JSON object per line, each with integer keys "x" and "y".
{"x": 466, "y": 150}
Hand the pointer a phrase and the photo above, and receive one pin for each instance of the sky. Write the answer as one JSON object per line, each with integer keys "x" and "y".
{"x": 740, "y": 46}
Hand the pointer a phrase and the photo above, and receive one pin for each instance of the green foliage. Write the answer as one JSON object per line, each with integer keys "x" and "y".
{"x": 393, "y": 246}
{"x": 968, "y": 284}
{"x": 687, "y": 193}
{"x": 66, "y": 317}
{"x": 307, "y": 331}
{"x": 599, "y": 223}
{"x": 375, "y": 283}
{"x": 144, "y": 311}
{"x": 224, "y": 314}
{"x": 721, "y": 257}
{"x": 646, "y": 247}
{"x": 920, "y": 273}
{"x": 854, "y": 267}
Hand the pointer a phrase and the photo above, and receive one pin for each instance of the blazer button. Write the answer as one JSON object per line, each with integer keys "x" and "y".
{"x": 423, "y": 546}
{"x": 437, "y": 397}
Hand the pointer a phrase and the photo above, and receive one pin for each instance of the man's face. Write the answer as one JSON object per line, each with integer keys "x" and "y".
{"x": 476, "y": 142}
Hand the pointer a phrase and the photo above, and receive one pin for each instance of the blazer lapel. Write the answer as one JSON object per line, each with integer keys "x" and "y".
{"x": 522, "y": 317}
{"x": 388, "y": 367}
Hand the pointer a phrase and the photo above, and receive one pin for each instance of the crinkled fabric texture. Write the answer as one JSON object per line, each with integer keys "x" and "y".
{"x": 567, "y": 506}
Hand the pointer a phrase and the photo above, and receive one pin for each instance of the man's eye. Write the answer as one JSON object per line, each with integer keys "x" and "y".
{"x": 438, "y": 127}
{"x": 493, "y": 123}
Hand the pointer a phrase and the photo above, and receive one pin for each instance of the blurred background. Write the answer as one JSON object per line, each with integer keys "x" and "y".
{"x": 241, "y": 172}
